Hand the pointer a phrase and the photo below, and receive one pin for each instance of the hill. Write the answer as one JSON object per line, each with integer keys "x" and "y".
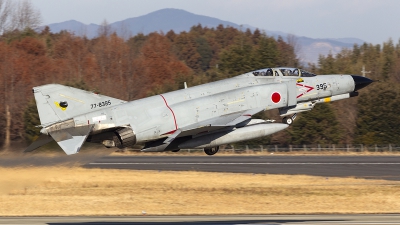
{"x": 179, "y": 20}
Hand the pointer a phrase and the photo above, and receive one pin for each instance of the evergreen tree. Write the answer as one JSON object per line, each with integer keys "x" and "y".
{"x": 287, "y": 56}
{"x": 388, "y": 59}
{"x": 256, "y": 36}
{"x": 171, "y": 35}
{"x": 187, "y": 51}
{"x": 136, "y": 43}
{"x": 237, "y": 59}
{"x": 327, "y": 64}
{"x": 356, "y": 54}
{"x": 205, "y": 51}
{"x": 266, "y": 55}
{"x": 225, "y": 36}
{"x": 378, "y": 118}
{"x": 318, "y": 126}
{"x": 31, "y": 120}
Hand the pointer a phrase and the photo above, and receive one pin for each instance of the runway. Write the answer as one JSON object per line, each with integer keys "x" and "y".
{"x": 372, "y": 167}
{"x": 210, "y": 220}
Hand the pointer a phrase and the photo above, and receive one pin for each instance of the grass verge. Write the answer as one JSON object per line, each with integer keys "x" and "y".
{"x": 67, "y": 191}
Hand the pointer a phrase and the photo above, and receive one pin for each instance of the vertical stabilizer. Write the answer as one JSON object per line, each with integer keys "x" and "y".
{"x": 56, "y": 102}
{"x": 46, "y": 114}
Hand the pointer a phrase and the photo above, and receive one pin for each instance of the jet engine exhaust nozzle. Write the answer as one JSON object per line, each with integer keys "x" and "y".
{"x": 360, "y": 82}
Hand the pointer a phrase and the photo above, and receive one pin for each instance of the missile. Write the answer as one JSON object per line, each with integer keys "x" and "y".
{"x": 337, "y": 97}
{"x": 306, "y": 106}
{"x": 238, "y": 134}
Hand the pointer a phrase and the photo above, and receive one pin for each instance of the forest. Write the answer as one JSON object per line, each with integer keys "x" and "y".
{"x": 145, "y": 65}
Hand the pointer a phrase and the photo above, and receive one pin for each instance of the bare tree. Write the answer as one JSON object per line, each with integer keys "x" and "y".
{"x": 18, "y": 15}
{"x": 124, "y": 32}
{"x": 5, "y": 14}
{"x": 293, "y": 41}
{"x": 105, "y": 29}
{"x": 25, "y": 16}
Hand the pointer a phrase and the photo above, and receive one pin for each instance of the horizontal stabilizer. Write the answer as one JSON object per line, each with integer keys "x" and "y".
{"x": 71, "y": 139}
{"x": 42, "y": 140}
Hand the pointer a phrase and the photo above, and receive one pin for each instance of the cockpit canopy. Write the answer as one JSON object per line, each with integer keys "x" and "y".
{"x": 282, "y": 71}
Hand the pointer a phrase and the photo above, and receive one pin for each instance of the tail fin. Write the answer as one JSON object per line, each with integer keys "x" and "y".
{"x": 56, "y": 102}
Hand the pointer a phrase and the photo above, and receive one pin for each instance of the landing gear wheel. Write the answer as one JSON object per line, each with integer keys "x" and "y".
{"x": 177, "y": 150}
{"x": 211, "y": 151}
{"x": 287, "y": 120}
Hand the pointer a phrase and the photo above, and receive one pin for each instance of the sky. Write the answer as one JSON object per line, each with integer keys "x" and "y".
{"x": 374, "y": 21}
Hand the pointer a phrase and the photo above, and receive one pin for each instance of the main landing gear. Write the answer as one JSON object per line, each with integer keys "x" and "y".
{"x": 211, "y": 151}
{"x": 289, "y": 120}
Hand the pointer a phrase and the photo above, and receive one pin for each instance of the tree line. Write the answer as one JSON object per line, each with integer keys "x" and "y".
{"x": 372, "y": 117}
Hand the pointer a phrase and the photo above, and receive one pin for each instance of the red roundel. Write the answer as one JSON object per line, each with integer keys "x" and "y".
{"x": 276, "y": 97}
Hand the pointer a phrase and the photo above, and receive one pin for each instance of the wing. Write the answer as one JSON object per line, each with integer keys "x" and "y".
{"x": 228, "y": 121}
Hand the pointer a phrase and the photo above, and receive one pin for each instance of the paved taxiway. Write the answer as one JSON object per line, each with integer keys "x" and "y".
{"x": 374, "y": 167}
{"x": 208, "y": 220}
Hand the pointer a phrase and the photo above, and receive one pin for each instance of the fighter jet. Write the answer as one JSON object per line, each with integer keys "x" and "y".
{"x": 204, "y": 116}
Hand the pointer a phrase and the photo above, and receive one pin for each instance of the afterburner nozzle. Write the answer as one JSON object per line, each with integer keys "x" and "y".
{"x": 360, "y": 82}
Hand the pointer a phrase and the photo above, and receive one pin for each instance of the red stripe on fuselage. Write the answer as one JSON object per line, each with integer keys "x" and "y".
{"x": 173, "y": 114}
{"x": 171, "y": 132}
{"x": 305, "y": 92}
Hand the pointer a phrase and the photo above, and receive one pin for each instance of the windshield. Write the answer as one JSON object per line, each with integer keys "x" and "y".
{"x": 307, "y": 74}
{"x": 289, "y": 71}
{"x": 263, "y": 72}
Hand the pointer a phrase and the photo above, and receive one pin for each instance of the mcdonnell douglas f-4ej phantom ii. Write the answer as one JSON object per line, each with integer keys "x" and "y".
{"x": 204, "y": 116}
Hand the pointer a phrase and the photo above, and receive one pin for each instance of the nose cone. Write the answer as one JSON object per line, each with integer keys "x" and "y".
{"x": 360, "y": 82}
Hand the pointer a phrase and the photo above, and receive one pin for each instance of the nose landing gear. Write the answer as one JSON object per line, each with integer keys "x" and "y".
{"x": 289, "y": 120}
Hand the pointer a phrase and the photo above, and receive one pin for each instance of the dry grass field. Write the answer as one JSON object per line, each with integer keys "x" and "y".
{"x": 63, "y": 191}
